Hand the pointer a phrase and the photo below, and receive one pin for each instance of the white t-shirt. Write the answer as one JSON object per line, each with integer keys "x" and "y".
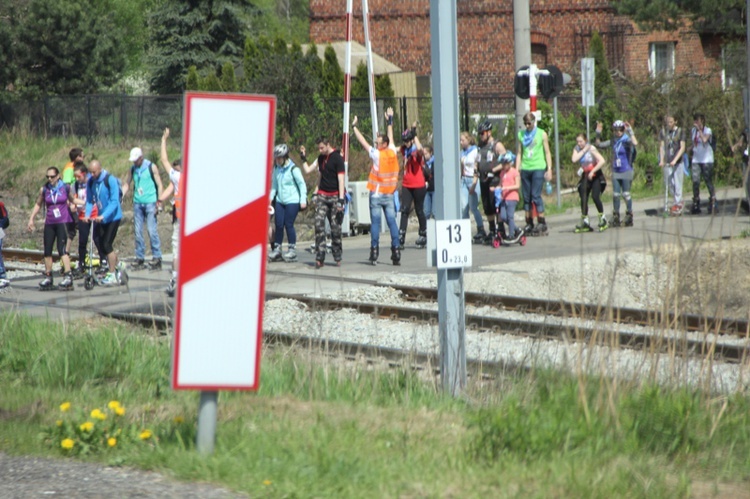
{"x": 469, "y": 161}
{"x": 702, "y": 152}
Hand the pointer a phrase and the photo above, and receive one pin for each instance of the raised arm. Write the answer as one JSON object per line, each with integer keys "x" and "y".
{"x": 164, "y": 157}
{"x": 389, "y": 123}
{"x": 308, "y": 169}
{"x": 362, "y": 141}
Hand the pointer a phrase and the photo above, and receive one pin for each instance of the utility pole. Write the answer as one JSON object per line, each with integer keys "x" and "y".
{"x": 522, "y": 48}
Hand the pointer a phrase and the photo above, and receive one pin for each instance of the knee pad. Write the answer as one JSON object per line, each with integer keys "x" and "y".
{"x": 626, "y": 195}
{"x": 616, "y": 195}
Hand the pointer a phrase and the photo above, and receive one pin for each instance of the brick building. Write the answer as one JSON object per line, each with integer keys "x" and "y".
{"x": 560, "y": 34}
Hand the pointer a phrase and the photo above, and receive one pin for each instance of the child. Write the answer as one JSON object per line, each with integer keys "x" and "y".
{"x": 429, "y": 176}
{"x": 507, "y": 197}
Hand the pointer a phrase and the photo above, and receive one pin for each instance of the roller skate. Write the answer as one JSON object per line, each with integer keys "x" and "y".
{"x": 47, "y": 283}
{"x": 603, "y": 224}
{"x": 615, "y": 219}
{"x": 696, "y": 209}
{"x": 155, "y": 264}
{"x": 4, "y": 283}
{"x": 374, "y": 253}
{"x": 583, "y": 226}
{"x": 628, "y": 219}
{"x": 401, "y": 239}
{"x": 275, "y": 254}
{"x": 540, "y": 230}
{"x": 291, "y": 254}
{"x": 138, "y": 264}
{"x": 67, "y": 283}
{"x": 528, "y": 229}
{"x": 479, "y": 236}
{"x": 396, "y": 256}
{"x": 171, "y": 287}
{"x": 713, "y": 206}
{"x": 518, "y": 237}
{"x": 79, "y": 272}
{"x": 109, "y": 280}
{"x": 122, "y": 274}
{"x": 421, "y": 241}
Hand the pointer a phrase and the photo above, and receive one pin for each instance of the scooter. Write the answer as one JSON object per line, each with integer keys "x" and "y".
{"x": 91, "y": 280}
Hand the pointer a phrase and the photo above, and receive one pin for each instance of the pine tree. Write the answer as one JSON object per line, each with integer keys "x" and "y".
{"x": 192, "y": 82}
{"x": 211, "y": 83}
{"x": 251, "y": 63}
{"x": 228, "y": 80}
{"x": 333, "y": 77}
{"x": 604, "y": 88}
{"x": 360, "y": 83}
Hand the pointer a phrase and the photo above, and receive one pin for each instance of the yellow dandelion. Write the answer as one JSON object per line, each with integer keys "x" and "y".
{"x": 67, "y": 444}
{"x": 120, "y": 411}
{"x": 65, "y": 406}
{"x": 111, "y": 441}
{"x": 145, "y": 434}
{"x": 267, "y": 482}
{"x": 87, "y": 426}
{"x": 58, "y": 423}
{"x": 179, "y": 419}
{"x": 113, "y": 405}
{"x": 97, "y": 414}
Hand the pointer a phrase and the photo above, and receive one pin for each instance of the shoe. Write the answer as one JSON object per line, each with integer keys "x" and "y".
{"x": 4, "y": 283}
{"x": 540, "y": 230}
{"x": 528, "y": 229}
{"x": 155, "y": 264}
{"x": 275, "y": 254}
{"x": 603, "y": 224}
{"x": 110, "y": 280}
{"x": 319, "y": 264}
{"x": 137, "y": 265}
{"x": 583, "y": 226}
{"x": 374, "y": 253}
{"x": 291, "y": 254}
{"x": 171, "y": 287}
{"x": 676, "y": 210}
{"x": 396, "y": 256}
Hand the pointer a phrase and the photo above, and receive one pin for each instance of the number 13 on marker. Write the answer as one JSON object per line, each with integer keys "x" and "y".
{"x": 453, "y": 243}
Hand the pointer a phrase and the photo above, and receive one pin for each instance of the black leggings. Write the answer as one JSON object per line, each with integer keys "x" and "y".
{"x": 52, "y": 232}
{"x": 407, "y": 196}
{"x": 107, "y": 234}
{"x": 593, "y": 187}
{"x": 84, "y": 228}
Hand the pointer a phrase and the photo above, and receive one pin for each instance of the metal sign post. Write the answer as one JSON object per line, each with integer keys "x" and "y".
{"x": 587, "y": 89}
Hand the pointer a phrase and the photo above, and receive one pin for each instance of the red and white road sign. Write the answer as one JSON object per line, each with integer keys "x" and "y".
{"x": 227, "y": 159}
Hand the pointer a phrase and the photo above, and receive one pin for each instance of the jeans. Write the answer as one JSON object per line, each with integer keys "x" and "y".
{"x": 380, "y": 203}
{"x": 2, "y": 263}
{"x": 621, "y": 188}
{"x": 428, "y": 202}
{"x": 531, "y": 189}
{"x": 147, "y": 211}
{"x": 507, "y": 212}
{"x": 285, "y": 215}
{"x": 470, "y": 201}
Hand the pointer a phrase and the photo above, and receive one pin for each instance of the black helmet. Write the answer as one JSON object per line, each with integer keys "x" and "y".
{"x": 407, "y": 135}
{"x": 484, "y": 126}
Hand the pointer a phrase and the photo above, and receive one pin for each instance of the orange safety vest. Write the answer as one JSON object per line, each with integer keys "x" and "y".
{"x": 178, "y": 200}
{"x": 385, "y": 180}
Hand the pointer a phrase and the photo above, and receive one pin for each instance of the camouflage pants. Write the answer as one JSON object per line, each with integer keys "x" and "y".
{"x": 327, "y": 207}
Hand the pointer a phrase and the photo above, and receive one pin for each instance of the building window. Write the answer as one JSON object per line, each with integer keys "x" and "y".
{"x": 661, "y": 59}
{"x": 539, "y": 55}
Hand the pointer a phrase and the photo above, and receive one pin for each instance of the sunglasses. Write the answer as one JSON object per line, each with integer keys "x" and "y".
{"x": 51, "y": 176}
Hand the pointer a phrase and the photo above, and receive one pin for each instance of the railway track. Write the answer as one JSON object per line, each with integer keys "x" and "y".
{"x": 617, "y": 315}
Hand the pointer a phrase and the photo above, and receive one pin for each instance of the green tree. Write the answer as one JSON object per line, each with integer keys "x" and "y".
{"x": 717, "y": 16}
{"x": 190, "y": 32}
{"x": 333, "y": 77}
{"x": 228, "y": 79}
{"x": 383, "y": 86}
{"x": 84, "y": 56}
{"x": 7, "y": 63}
{"x": 192, "y": 81}
{"x": 360, "y": 83}
{"x": 251, "y": 62}
{"x": 604, "y": 88}
{"x": 211, "y": 83}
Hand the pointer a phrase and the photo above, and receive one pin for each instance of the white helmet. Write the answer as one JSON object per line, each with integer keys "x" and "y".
{"x": 281, "y": 151}
{"x": 618, "y": 124}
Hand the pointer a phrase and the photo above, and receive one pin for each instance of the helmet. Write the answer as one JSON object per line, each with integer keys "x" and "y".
{"x": 618, "y": 124}
{"x": 508, "y": 157}
{"x": 407, "y": 135}
{"x": 281, "y": 151}
{"x": 484, "y": 126}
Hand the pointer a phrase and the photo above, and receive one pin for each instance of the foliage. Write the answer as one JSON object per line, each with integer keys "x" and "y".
{"x": 333, "y": 77}
{"x": 228, "y": 79}
{"x": 604, "y": 89}
{"x": 718, "y": 16}
{"x": 88, "y": 53}
{"x": 191, "y": 82}
{"x": 188, "y": 33}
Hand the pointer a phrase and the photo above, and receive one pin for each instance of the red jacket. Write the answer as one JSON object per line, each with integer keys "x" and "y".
{"x": 413, "y": 174}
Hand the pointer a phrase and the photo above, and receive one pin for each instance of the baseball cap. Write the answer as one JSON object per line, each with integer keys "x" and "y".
{"x": 135, "y": 153}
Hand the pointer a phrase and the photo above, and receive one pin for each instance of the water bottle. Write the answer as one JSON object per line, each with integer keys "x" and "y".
{"x": 548, "y": 187}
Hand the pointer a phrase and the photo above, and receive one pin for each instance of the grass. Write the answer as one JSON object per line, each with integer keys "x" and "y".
{"x": 322, "y": 428}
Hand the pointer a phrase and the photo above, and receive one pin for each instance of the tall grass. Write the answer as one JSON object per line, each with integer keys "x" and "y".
{"x": 323, "y": 427}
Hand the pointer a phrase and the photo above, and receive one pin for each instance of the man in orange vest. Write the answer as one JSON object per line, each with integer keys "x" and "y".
{"x": 382, "y": 183}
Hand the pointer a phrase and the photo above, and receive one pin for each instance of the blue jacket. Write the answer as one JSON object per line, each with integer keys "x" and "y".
{"x": 105, "y": 197}
{"x": 287, "y": 184}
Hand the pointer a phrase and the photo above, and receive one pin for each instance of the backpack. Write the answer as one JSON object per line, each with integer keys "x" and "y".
{"x": 132, "y": 175}
{"x": 4, "y": 219}
{"x": 105, "y": 180}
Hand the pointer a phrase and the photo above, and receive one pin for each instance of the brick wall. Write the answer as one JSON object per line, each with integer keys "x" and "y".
{"x": 400, "y": 32}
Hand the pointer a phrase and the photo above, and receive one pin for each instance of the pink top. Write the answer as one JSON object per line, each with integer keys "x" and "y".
{"x": 508, "y": 178}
